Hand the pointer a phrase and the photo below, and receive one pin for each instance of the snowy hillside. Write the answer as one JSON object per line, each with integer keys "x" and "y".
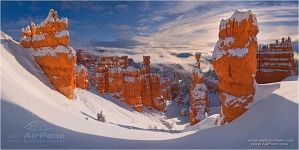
{"x": 34, "y": 115}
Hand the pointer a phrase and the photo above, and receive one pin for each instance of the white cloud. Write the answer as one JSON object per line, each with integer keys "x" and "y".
{"x": 186, "y": 28}
{"x": 198, "y": 30}
{"x": 158, "y": 18}
{"x": 182, "y": 7}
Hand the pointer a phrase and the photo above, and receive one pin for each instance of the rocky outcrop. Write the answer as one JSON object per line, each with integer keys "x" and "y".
{"x": 82, "y": 77}
{"x": 158, "y": 101}
{"x": 82, "y": 58}
{"x": 109, "y": 74}
{"x": 49, "y": 42}
{"x": 169, "y": 85}
{"x": 146, "y": 94}
{"x": 101, "y": 79}
{"x": 234, "y": 61}
{"x": 132, "y": 88}
{"x": 116, "y": 82}
{"x": 166, "y": 84}
{"x": 275, "y": 61}
{"x": 120, "y": 77}
{"x": 199, "y": 99}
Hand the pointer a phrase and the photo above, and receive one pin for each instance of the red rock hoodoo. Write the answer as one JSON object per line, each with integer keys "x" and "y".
{"x": 158, "y": 101}
{"x": 132, "y": 88}
{"x": 82, "y": 77}
{"x": 234, "y": 61}
{"x": 275, "y": 61}
{"x": 49, "y": 42}
{"x": 199, "y": 99}
{"x": 146, "y": 86}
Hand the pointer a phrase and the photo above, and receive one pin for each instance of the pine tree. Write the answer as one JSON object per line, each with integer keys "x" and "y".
{"x": 101, "y": 117}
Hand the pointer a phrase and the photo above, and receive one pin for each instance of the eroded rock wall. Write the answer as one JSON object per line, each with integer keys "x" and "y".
{"x": 275, "y": 61}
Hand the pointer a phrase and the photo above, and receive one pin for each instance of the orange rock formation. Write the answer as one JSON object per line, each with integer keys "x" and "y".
{"x": 118, "y": 76}
{"x": 110, "y": 75}
{"x": 234, "y": 61}
{"x": 82, "y": 77}
{"x": 199, "y": 99}
{"x": 158, "y": 101}
{"x": 132, "y": 88}
{"x": 167, "y": 87}
{"x": 146, "y": 85}
{"x": 50, "y": 44}
{"x": 275, "y": 61}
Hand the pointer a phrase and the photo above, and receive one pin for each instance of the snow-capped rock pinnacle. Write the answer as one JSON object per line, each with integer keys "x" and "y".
{"x": 49, "y": 42}
{"x": 234, "y": 61}
{"x": 82, "y": 77}
{"x": 199, "y": 99}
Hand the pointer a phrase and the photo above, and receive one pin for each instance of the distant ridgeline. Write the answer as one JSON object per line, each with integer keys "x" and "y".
{"x": 275, "y": 61}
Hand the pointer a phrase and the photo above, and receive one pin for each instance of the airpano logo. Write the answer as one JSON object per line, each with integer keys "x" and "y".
{"x": 36, "y": 126}
{"x": 38, "y": 131}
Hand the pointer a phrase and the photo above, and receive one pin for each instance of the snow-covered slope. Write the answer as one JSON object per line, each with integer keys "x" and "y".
{"x": 34, "y": 115}
{"x": 32, "y": 92}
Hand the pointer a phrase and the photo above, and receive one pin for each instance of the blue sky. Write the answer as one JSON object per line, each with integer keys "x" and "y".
{"x": 186, "y": 25}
